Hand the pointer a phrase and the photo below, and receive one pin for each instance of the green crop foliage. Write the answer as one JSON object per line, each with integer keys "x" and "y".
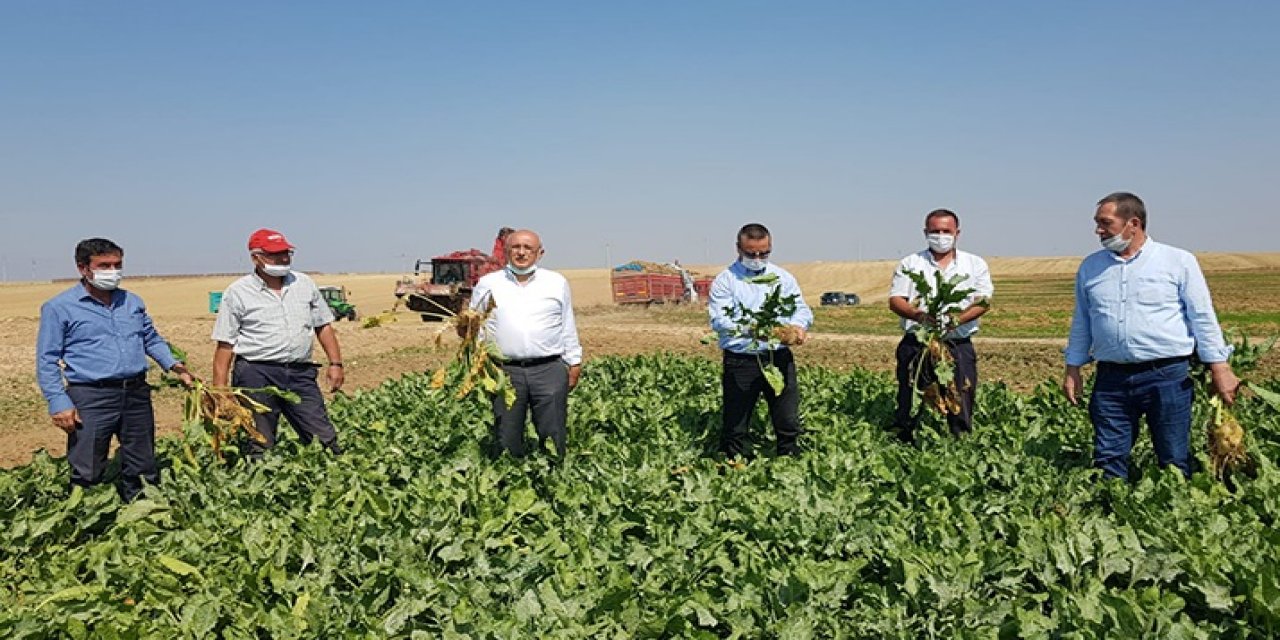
{"x": 641, "y": 531}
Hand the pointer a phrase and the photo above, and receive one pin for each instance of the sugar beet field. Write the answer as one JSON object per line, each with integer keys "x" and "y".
{"x": 642, "y": 532}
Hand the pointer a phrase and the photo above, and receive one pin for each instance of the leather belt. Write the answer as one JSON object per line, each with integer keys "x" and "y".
{"x": 531, "y": 362}
{"x": 139, "y": 380}
{"x": 283, "y": 365}
{"x": 1134, "y": 367}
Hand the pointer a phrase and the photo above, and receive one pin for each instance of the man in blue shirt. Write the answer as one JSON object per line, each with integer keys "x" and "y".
{"x": 1141, "y": 309}
{"x": 91, "y": 363}
{"x": 747, "y": 282}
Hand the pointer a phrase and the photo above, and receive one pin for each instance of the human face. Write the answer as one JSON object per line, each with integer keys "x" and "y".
{"x": 755, "y": 249}
{"x": 277, "y": 258}
{"x": 524, "y": 249}
{"x": 941, "y": 224}
{"x": 1108, "y": 223}
{"x": 101, "y": 262}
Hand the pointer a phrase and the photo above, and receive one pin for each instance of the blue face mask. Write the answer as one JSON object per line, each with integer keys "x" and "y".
{"x": 522, "y": 272}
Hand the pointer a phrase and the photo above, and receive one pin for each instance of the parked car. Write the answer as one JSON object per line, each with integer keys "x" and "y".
{"x": 839, "y": 299}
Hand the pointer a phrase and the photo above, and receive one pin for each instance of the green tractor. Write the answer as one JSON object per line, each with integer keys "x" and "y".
{"x": 337, "y": 299}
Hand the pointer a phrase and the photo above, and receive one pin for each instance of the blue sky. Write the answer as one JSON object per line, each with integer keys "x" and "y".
{"x": 374, "y": 133}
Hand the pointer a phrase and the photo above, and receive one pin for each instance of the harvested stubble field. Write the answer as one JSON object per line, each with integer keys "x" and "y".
{"x": 1020, "y": 344}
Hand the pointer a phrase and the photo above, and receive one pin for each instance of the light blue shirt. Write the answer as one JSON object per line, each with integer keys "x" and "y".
{"x": 1151, "y": 306}
{"x": 733, "y": 285}
{"x": 94, "y": 342}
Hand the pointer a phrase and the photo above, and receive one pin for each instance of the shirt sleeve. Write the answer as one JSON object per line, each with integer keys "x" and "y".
{"x": 1198, "y": 305}
{"x": 155, "y": 345}
{"x": 982, "y": 285}
{"x": 1080, "y": 338}
{"x": 569, "y": 326}
{"x": 226, "y": 325}
{"x": 901, "y": 286}
{"x": 803, "y": 315}
{"x": 721, "y": 296}
{"x": 50, "y": 342}
{"x": 321, "y": 314}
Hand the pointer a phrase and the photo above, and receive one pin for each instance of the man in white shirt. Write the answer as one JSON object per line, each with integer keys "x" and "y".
{"x": 265, "y": 328}
{"x": 533, "y": 326}
{"x": 941, "y": 231}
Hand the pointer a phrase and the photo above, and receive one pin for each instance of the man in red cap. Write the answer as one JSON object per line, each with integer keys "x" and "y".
{"x": 266, "y": 325}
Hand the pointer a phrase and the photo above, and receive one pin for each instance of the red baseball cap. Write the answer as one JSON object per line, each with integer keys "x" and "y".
{"x": 269, "y": 241}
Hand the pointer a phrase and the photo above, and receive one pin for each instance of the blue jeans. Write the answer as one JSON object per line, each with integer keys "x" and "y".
{"x": 1122, "y": 395}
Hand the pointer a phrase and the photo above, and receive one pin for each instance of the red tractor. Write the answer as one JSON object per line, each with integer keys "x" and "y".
{"x": 447, "y": 290}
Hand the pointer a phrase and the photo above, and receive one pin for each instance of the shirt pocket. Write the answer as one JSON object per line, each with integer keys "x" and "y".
{"x": 1157, "y": 291}
{"x": 129, "y": 325}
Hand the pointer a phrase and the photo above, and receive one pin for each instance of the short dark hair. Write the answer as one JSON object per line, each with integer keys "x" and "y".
{"x": 1127, "y": 206}
{"x": 942, "y": 213}
{"x": 87, "y": 249}
{"x": 753, "y": 231}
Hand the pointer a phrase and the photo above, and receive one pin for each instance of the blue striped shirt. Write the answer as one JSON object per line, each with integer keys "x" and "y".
{"x": 1151, "y": 306}
{"x": 733, "y": 285}
{"x": 94, "y": 342}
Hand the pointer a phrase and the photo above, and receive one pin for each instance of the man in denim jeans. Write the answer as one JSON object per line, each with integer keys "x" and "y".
{"x": 1141, "y": 309}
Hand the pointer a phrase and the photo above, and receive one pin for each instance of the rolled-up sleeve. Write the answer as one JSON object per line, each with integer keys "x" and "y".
{"x": 1210, "y": 345}
{"x": 901, "y": 285}
{"x": 50, "y": 343}
{"x": 321, "y": 314}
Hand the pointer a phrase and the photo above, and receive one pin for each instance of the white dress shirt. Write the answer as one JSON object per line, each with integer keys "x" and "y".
{"x": 1153, "y": 305}
{"x": 533, "y": 319}
{"x": 266, "y": 327}
{"x": 977, "y": 277}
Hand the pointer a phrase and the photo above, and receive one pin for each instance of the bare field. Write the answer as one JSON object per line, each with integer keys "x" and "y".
{"x": 1021, "y": 346}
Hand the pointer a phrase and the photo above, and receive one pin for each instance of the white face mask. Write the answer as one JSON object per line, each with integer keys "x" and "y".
{"x": 277, "y": 270}
{"x": 106, "y": 279}
{"x": 1116, "y": 243}
{"x": 522, "y": 271}
{"x": 940, "y": 242}
{"x": 754, "y": 264}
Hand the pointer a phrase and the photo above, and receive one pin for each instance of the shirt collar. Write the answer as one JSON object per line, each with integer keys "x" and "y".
{"x": 84, "y": 294}
{"x": 262, "y": 284}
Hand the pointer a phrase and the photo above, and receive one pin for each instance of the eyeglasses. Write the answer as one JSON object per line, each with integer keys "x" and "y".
{"x": 756, "y": 255}
{"x": 277, "y": 256}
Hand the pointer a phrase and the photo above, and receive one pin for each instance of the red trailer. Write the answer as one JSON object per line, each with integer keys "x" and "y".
{"x": 632, "y": 287}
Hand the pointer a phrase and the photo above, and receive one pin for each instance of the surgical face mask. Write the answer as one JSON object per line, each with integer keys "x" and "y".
{"x": 106, "y": 279}
{"x": 1117, "y": 243}
{"x": 522, "y": 271}
{"x": 277, "y": 270}
{"x": 940, "y": 242}
{"x": 755, "y": 264}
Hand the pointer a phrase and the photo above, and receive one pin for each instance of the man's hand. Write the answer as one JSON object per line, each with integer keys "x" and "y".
{"x": 801, "y": 335}
{"x": 336, "y": 377}
{"x": 184, "y": 375}
{"x": 66, "y": 420}
{"x": 1071, "y": 384}
{"x": 1224, "y": 381}
{"x": 575, "y": 372}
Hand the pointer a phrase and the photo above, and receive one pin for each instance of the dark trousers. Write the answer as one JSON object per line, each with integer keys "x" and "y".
{"x": 308, "y": 417}
{"x": 966, "y": 364}
{"x": 1122, "y": 395}
{"x": 743, "y": 383}
{"x": 121, "y": 412}
{"x": 541, "y": 389}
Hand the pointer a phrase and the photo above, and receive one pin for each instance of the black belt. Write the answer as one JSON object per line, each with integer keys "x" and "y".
{"x": 911, "y": 337}
{"x": 531, "y": 362}
{"x": 1133, "y": 367}
{"x": 139, "y": 380}
{"x": 733, "y": 355}
{"x": 283, "y": 365}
